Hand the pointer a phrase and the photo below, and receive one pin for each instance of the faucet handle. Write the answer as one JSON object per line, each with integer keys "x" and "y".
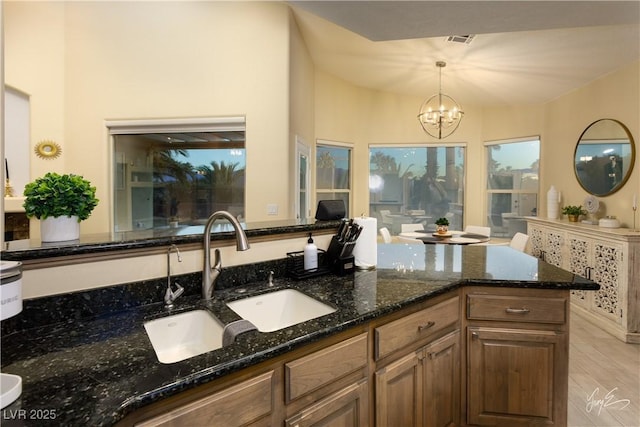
{"x": 179, "y": 291}
{"x": 170, "y": 296}
{"x": 270, "y": 278}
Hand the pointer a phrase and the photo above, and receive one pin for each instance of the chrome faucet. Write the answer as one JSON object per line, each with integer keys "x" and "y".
{"x": 210, "y": 274}
{"x": 170, "y": 296}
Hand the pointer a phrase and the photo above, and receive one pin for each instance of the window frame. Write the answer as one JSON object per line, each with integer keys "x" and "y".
{"x": 519, "y": 191}
{"x": 425, "y": 146}
{"x": 161, "y": 125}
{"x": 347, "y": 191}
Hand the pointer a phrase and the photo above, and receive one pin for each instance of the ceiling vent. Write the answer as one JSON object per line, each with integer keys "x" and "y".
{"x": 465, "y": 39}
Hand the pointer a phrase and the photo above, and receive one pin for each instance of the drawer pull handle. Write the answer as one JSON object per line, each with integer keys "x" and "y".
{"x": 517, "y": 310}
{"x": 427, "y": 326}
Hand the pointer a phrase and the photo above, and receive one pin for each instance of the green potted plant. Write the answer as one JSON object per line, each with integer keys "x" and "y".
{"x": 573, "y": 212}
{"x": 442, "y": 225}
{"x": 60, "y": 202}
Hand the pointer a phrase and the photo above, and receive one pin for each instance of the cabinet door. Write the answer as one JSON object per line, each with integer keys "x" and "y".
{"x": 243, "y": 404}
{"x": 399, "y": 392}
{"x": 607, "y": 271}
{"x": 547, "y": 244}
{"x": 515, "y": 377}
{"x": 553, "y": 247}
{"x": 348, "y": 407}
{"x": 442, "y": 382}
{"x": 579, "y": 263}
{"x": 537, "y": 238}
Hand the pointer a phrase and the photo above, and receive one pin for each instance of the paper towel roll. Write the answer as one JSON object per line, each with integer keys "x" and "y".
{"x": 366, "y": 250}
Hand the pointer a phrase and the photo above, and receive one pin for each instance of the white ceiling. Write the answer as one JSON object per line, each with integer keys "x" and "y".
{"x": 524, "y": 52}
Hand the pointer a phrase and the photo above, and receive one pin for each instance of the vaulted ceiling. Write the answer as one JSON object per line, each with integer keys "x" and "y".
{"x": 522, "y": 52}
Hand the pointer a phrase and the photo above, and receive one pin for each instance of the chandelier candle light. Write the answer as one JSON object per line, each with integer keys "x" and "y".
{"x": 440, "y": 115}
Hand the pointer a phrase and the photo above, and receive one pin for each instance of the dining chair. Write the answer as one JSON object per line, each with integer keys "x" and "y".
{"x": 410, "y": 240}
{"x": 386, "y": 236}
{"x": 386, "y": 219}
{"x": 411, "y": 227}
{"x": 519, "y": 241}
{"x": 478, "y": 229}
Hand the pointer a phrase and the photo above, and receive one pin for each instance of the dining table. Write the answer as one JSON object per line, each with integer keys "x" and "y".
{"x": 452, "y": 237}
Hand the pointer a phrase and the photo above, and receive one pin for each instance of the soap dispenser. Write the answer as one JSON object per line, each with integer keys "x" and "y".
{"x": 310, "y": 255}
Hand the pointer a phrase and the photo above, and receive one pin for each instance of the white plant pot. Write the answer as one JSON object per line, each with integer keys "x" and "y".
{"x": 59, "y": 229}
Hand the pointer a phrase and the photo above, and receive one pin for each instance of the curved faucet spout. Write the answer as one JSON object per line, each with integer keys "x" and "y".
{"x": 210, "y": 274}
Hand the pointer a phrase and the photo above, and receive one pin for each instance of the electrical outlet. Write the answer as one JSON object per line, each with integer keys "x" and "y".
{"x": 272, "y": 209}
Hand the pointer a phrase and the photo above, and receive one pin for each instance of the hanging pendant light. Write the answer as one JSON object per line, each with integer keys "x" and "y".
{"x": 440, "y": 115}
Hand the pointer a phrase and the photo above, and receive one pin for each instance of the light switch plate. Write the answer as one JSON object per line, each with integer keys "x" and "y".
{"x": 272, "y": 209}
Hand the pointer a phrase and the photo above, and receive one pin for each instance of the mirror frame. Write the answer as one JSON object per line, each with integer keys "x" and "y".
{"x": 625, "y": 178}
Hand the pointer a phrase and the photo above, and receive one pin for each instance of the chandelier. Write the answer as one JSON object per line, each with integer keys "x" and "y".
{"x": 440, "y": 115}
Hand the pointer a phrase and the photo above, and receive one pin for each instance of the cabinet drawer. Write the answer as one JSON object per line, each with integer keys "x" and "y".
{"x": 516, "y": 309}
{"x": 402, "y": 332}
{"x": 311, "y": 372}
{"x": 235, "y": 406}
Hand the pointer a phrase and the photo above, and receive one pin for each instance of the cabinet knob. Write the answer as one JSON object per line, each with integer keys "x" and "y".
{"x": 474, "y": 335}
{"x": 428, "y": 325}
{"x": 516, "y": 310}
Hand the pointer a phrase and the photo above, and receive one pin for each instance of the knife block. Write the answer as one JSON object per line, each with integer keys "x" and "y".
{"x": 340, "y": 256}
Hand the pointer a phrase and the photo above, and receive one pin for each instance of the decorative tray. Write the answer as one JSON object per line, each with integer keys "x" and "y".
{"x": 295, "y": 265}
{"x": 447, "y": 234}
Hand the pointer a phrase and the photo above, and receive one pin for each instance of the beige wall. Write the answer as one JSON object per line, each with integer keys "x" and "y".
{"x": 362, "y": 117}
{"x": 137, "y": 60}
{"x": 359, "y": 116}
{"x": 302, "y": 100}
{"x": 615, "y": 96}
{"x": 561, "y": 122}
{"x": 111, "y": 60}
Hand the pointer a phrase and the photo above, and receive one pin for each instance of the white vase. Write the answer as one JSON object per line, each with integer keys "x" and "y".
{"x": 552, "y": 203}
{"x": 59, "y": 229}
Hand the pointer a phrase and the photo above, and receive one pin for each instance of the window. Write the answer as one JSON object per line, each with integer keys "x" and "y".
{"x": 333, "y": 173}
{"x": 417, "y": 184}
{"x": 512, "y": 184}
{"x": 176, "y": 176}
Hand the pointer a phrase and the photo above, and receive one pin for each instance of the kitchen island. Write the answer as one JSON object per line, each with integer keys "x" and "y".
{"x": 102, "y": 370}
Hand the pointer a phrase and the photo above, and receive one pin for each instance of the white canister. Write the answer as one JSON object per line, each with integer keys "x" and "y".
{"x": 10, "y": 289}
{"x": 552, "y": 203}
{"x": 11, "y": 304}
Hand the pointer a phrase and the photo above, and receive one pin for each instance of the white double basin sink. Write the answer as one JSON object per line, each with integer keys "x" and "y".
{"x": 181, "y": 336}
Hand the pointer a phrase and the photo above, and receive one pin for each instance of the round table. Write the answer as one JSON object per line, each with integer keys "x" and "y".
{"x": 454, "y": 239}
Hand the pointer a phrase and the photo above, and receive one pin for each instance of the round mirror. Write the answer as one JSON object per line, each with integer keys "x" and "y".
{"x": 604, "y": 157}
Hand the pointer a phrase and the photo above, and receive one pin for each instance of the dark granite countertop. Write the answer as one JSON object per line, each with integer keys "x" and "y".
{"x": 23, "y": 250}
{"x": 96, "y": 370}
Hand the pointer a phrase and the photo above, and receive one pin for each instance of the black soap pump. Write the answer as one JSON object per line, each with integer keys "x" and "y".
{"x": 310, "y": 255}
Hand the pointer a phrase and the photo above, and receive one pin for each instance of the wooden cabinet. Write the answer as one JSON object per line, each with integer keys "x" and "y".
{"x": 411, "y": 368}
{"x": 442, "y": 381}
{"x": 329, "y": 387}
{"x": 609, "y": 257}
{"x": 517, "y": 360}
{"x": 419, "y": 386}
{"x": 323, "y": 384}
{"x": 244, "y": 404}
{"x": 348, "y": 407}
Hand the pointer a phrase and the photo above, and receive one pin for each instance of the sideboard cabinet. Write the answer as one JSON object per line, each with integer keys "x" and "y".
{"x": 609, "y": 257}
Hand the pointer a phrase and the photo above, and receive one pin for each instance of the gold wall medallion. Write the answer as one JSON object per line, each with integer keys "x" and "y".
{"x": 47, "y": 150}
